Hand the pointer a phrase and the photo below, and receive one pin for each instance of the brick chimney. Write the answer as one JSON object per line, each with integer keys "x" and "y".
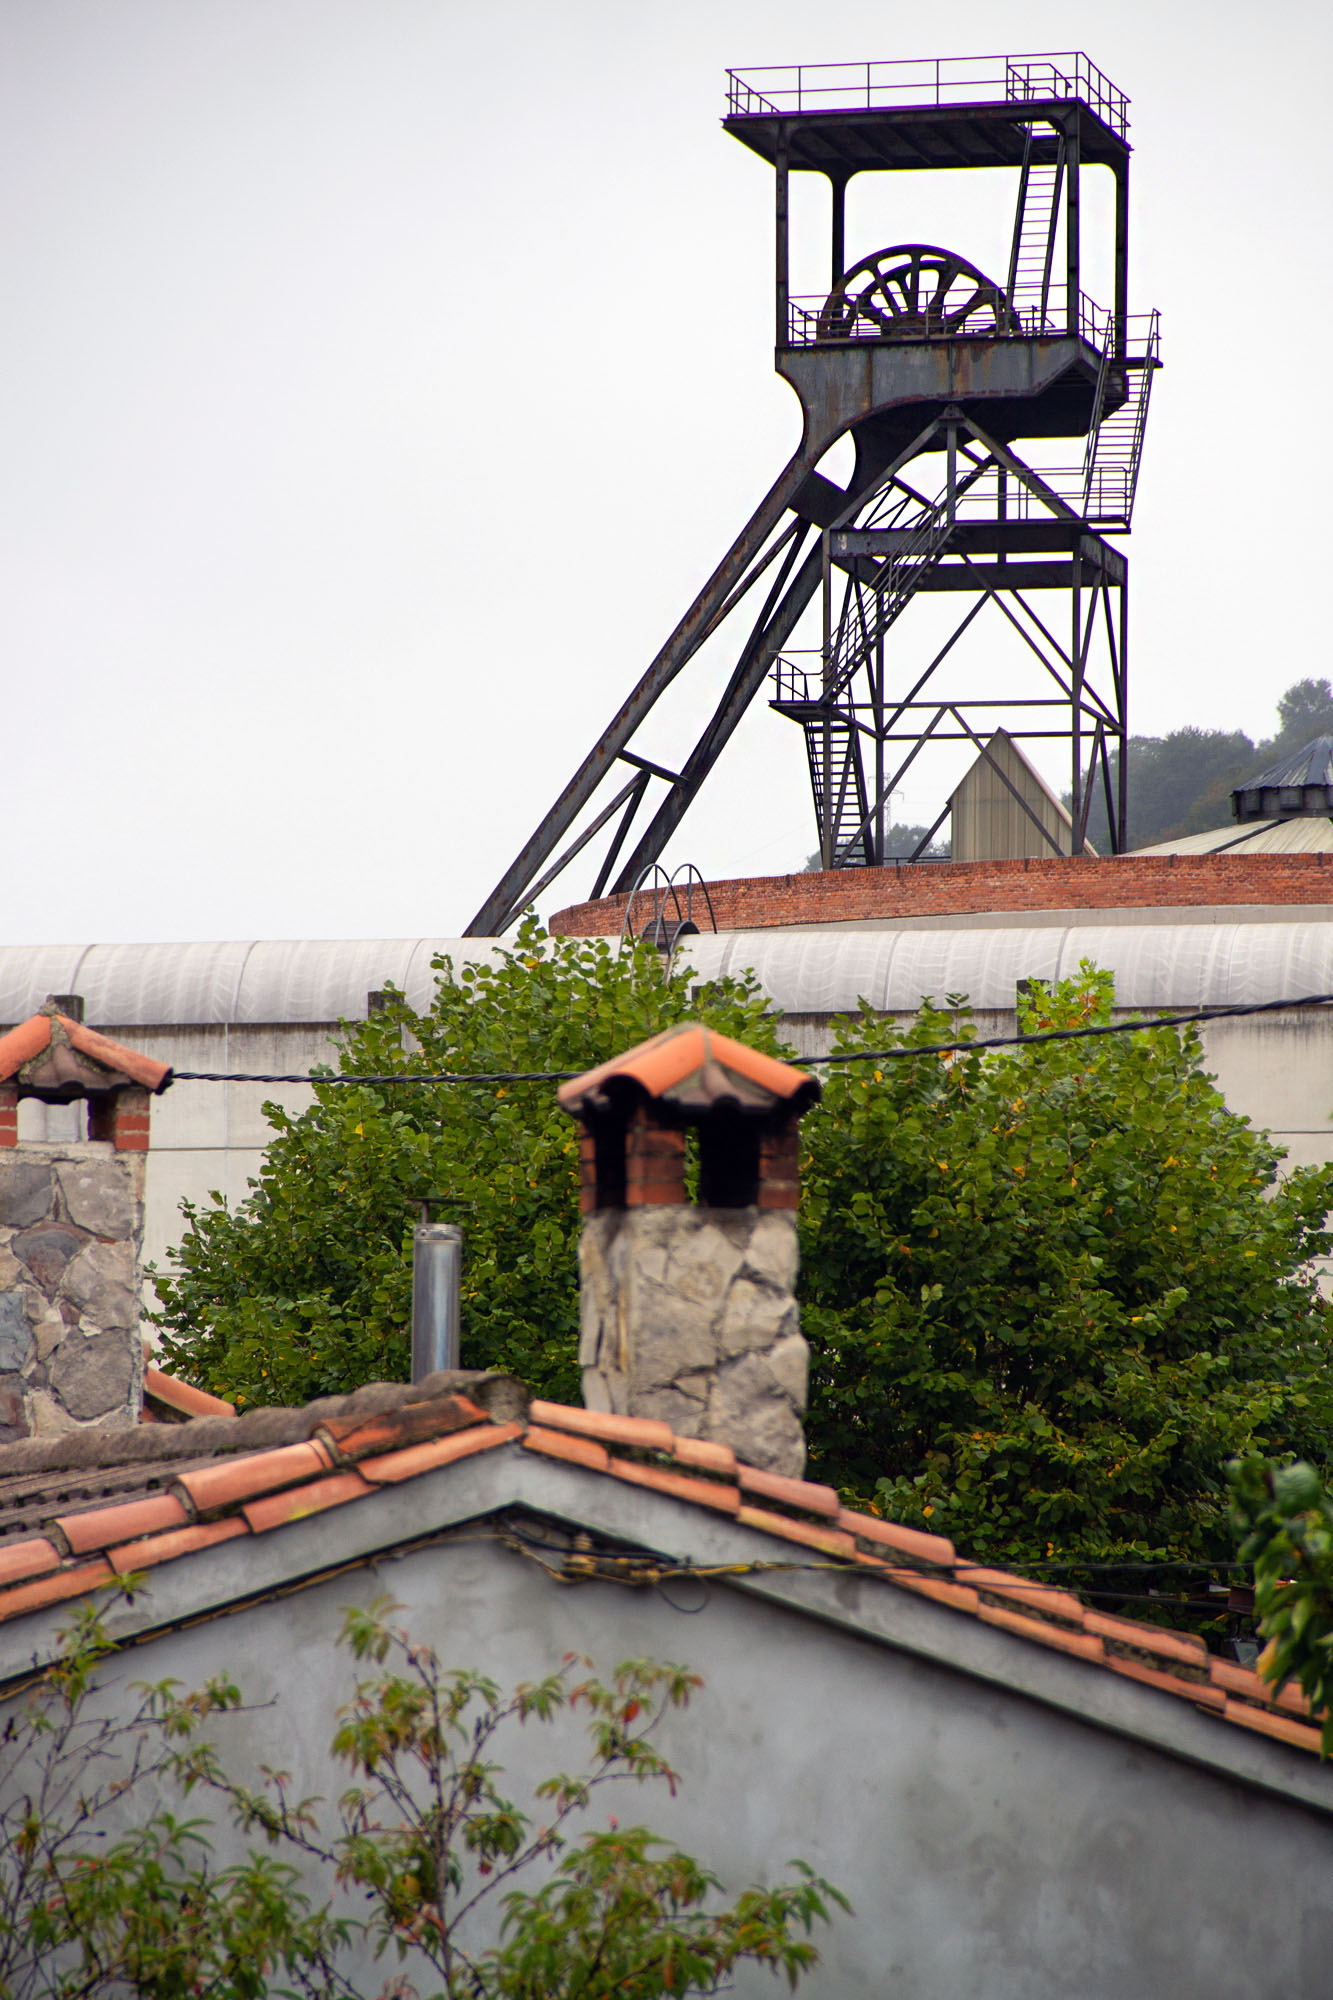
{"x": 688, "y": 1309}
{"x": 71, "y": 1230}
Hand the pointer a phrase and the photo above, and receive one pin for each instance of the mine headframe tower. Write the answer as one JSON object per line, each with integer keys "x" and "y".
{"x": 917, "y": 356}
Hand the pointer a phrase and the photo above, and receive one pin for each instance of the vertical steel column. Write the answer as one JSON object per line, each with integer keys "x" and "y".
{"x": 877, "y": 696}
{"x": 826, "y": 682}
{"x": 782, "y": 272}
{"x": 1122, "y": 831}
{"x": 838, "y": 229}
{"x": 1121, "y": 259}
{"x": 1076, "y": 657}
{"x": 1072, "y": 284}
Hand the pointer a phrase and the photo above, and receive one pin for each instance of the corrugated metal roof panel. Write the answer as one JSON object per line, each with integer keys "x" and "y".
{"x": 169, "y": 985}
{"x": 1155, "y": 965}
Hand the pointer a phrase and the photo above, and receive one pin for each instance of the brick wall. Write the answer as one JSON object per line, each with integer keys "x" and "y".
{"x": 1161, "y": 881}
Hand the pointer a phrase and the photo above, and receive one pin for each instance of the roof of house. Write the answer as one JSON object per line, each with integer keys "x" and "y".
{"x": 78, "y": 1511}
{"x": 691, "y": 1070}
{"x": 56, "y": 1058}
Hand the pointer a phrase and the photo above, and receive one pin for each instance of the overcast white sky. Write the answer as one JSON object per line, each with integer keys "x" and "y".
{"x": 381, "y": 378}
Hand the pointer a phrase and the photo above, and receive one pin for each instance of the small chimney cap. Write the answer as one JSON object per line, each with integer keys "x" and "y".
{"x": 54, "y": 1058}
{"x": 692, "y": 1073}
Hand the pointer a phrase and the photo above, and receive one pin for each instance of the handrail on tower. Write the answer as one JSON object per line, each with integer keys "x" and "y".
{"x": 917, "y": 356}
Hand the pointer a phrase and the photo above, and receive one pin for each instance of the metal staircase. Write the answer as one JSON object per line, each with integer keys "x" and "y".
{"x": 891, "y": 590}
{"x": 1033, "y": 249}
{"x": 1115, "y": 442}
{"x": 837, "y": 780}
{"x": 877, "y": 595}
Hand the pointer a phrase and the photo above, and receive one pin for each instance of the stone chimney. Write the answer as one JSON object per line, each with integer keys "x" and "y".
{"x": 688, "y": 1309}
{"x": 71, "y": 1230}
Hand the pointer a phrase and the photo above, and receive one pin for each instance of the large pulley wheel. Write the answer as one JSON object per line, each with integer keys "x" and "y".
{"x": 914, "y": 291}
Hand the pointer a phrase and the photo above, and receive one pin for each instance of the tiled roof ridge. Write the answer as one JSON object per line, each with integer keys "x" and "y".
{"x": 22, "y": 1044}
{"x": 251, "y": 1430}
{"x": 343, "y": 1448}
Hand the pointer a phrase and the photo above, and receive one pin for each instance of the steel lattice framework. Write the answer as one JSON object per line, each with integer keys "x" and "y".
{"x": 936, "y": 372}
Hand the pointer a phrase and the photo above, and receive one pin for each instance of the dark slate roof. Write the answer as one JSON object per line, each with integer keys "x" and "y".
{"x": 1298, "y": 784}
{"x": 1312, "y": 764}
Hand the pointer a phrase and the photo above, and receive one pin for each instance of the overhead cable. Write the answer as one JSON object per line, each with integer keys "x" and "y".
{"x": 969, "y": 1045}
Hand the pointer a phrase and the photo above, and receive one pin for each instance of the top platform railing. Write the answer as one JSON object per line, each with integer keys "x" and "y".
{"x": 882, "y": 86}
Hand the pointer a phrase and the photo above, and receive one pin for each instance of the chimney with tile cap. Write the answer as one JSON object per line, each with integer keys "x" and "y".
{"x": 688, "y": 1310}
{"x": 71, "y": 1227}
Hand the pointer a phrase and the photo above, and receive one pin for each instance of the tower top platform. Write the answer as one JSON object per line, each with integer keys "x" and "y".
{"x": 841, "y": 119}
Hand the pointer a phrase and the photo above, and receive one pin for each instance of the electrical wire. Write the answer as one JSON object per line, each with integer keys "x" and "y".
{"x": 965, "y": 1046}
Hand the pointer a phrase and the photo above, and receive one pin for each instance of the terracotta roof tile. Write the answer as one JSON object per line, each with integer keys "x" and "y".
{"x": 396, "y": 1465}
{"x": 143, "y": 1070}
{"x": 703, "y": 1492}
{"x": 1264, "y": 1720}
{"x": 230, "y": 1481}
{"x": 353, "y": 1438}
{"x": 704, "y": 1456}
{"x": 103, "y": 1527}
{"x": 645, "y": 1432}
{"x": 183, "y": 1396}
{"x": 1235, "y": 1679}
{"x": 831, "y": 1540}
{"x": 295, "y": 1503}
{"x": 156, "y": 1549}
{"x": 910, "y": 1542}
{"x": 956, "y": 1595}
{"x": 574, "y": 1450}
{"x": 1186, "y": 1647}
{"x": 1202, "y": 1692}
{"x": 802, "y": 1493}
{"x": 1021, "y": 1590}
{"x": 695, "y": 1068}
{"x": 19, "y": 1560}
{"x": 21, "y": 1044}
{"x": 25, "y": 1042}
{"x": 55, "y": 1587}
{"x": 1083, "y": 1644}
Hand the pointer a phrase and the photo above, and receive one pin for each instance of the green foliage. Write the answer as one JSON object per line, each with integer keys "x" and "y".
{"x": 424, "y": 1835}
{"x": 86, "y": 1909}
{"x": 1285, "y": 1515}
{"x": 1050, "y": 1292}
{"x": 304, "y": 1289}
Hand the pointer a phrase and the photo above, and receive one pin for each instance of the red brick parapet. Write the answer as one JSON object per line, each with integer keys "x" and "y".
{"x": 947, "y": 888}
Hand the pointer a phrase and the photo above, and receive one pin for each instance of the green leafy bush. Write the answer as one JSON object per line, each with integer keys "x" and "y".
{"x": 1285, "y": 1516}
{"x": 1050, "y": 1292}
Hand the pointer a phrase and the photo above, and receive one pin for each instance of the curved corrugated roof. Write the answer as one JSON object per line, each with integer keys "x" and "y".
{"x": 813, "y": 971}
{"x": 1155, "y": 965}
{"x": 178, "y": 985}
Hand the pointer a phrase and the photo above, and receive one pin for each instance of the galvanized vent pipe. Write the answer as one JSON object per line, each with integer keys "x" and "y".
{"x": 437, "y": 1270}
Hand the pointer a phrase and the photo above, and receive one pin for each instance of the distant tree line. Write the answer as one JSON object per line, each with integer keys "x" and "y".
{"x": 1182, "y": 783}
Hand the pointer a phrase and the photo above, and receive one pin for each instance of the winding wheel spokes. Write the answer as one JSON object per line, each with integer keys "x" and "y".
{"x": 914, "y": 291}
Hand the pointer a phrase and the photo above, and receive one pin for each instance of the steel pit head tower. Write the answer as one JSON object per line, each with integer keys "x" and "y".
{"x": 937, "y": 371}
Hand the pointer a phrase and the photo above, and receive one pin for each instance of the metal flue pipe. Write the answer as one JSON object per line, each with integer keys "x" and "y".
{"x": 437, "y": 1270}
